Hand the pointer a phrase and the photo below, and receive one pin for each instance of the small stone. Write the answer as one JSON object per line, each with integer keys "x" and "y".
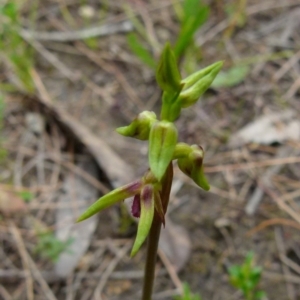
{"x": 86, "y": 11}
{"x": 222, "y": 223}
{"x": 35, "y": 123}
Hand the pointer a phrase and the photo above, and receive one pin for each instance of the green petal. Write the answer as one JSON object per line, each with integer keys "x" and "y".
{"x": 111, "y": 198}
{"x": 146, "y": 218}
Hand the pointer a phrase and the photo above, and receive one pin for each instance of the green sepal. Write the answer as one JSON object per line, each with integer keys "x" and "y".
{"x": 146, "y": 217}
{"x": 196, "y": 84}
{"x": 192, "y": 166}
{"x": 162, "y": 142}
{"x": 167, "y": 74}
{"x": 111, "y": 198}
{"x": 139, "y": 128}
{"x": 200, "y": 179}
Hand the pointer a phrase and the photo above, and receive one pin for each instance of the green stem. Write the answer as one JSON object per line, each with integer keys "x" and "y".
{"x": 154, "y": 234}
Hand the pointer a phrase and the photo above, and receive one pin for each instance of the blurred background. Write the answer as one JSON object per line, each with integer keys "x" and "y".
{"x": 72, "y": 71}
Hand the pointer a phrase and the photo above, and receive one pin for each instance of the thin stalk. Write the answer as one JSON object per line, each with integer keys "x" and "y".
{"x": 154, "y": 234}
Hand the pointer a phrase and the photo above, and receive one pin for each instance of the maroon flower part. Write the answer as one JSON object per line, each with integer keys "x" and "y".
{"x": 136, "y": 206}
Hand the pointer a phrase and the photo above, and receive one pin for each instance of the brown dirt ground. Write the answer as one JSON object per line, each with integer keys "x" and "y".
{"x": 111, "y": 88}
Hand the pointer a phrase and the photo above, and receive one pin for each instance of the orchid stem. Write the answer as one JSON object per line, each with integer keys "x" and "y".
{"x": 154, "y": 234}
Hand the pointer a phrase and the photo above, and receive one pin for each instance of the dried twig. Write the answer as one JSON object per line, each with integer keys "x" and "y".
{"x": 282, "y": 204}
{"x": 254, "y": 164}
{"x": 280, "y": 245}
{"x": 254, "y": 9}
{"x": 51, "y": 58}
{"x": 4, "y": 293}
{"x": 171, "y": 270}
{"x": 112, "y": 265}
{"x": 272, "y": 222}
{"x": 105, "y": 29}
{"x": 25, "y": 260}
{"x": 257, "y": 196}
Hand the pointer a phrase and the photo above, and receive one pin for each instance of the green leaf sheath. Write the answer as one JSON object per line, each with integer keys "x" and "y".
{"x": 162, "y": 143}
{"x": 111, "y": 198}
{"x": 146, "y": 218}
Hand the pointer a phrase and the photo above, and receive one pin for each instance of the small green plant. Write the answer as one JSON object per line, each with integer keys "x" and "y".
{"x": 50, "y": 247}
{"x": 246, "y": 277}
{"x": 192, "y": 14}
{"x": 231, "y": 77}
{"x": 27, "y": 196}
{"x": 187, "y": 294}
{"x": 13, "y": 48}
{"x": 151, "y": 192}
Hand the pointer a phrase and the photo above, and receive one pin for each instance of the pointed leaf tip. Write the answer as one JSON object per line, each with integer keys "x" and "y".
{"x": 111, "y": 198}
{"x": 146, "y": 217}
{"x": 167, "y": 74}
{"x": 197, "y": 83}
{"x": 192, "y": 166}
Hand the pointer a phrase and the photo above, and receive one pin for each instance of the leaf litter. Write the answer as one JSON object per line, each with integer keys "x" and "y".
{"x": 238, "y": 116}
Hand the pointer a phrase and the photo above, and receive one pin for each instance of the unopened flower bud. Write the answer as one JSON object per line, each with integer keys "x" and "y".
{"x": 182, "y": 150}
{"x": 140, "y": 126}
{"x": 162, "y": 142}
{"x": 196, "y": 84}
{"x": 167, "y": 73}
{"x": 192, "y": 166}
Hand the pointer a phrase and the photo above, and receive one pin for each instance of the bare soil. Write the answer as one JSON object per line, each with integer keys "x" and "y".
{"x": 106, "y": 86}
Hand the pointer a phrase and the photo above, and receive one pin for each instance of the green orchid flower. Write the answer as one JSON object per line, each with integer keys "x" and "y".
{"x": 146, "y": 201}
{"x": 151, "y": 193}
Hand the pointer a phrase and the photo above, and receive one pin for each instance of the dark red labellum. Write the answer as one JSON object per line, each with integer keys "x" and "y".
{"x": 136, "y": 206}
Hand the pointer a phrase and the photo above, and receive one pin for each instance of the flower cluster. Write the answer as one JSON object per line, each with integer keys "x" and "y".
{"x": 163, "y": 145}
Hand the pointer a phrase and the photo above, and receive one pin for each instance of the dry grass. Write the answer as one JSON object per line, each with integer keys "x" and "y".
{"x": 105, "y": 87}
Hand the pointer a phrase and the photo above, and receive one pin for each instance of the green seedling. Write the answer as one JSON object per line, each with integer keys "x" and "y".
{"x": 193, "y": 15}
{"x": 13, "y": 48}
{"x": 26, "y": 196}
{"x": 187, "y": 294}
{"x": 50, "y": 247}
{"x": 246, "y": 278}
{"x": 151, "y": 192}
